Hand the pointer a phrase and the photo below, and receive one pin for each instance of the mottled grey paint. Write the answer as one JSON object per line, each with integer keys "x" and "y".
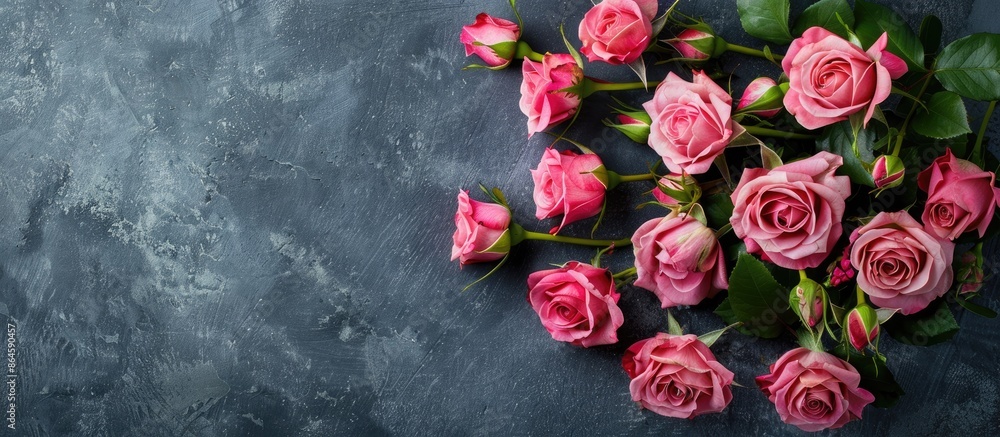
{"x": 233, "y": 217}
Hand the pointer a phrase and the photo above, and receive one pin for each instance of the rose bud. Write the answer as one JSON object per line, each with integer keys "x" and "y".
{"x": 888, "y": 171}
{"x": 814, "y": 390}
{"x": 569, "y": 184}
{"x": 481, "y": 233}
{"x": 635, "y": 125}
{"x": 761, "y": 98}
{"x": 696, "y": 43}
{"x": 861, "y": 326}
{"x": 961, "y": 197}
{"x": 808, "y": 301}
{"x": 493, "y": 39}
{"x": 577, "y": 303}
{"x": 544, "y": 95}
{"x": 969, "y": 273}
{"x": 679, "y": 259}
{"x": 676, "y": 189}
{"x": 617, "y": 31}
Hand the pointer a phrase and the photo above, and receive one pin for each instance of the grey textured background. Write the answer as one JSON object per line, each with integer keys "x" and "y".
{"x": 233, "y": 218}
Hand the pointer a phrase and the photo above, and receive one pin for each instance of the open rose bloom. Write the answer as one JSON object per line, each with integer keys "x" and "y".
{"x": 814, "y": 390}
{"x": 577, "y": 303}
{"x": 617, "y": 31}
{"x": 791, "y": 214}
{"x": 900, "y": 265}
{"x": 569, "y": 184}
{"x": 830, "y": 78}
{"x": 692, "y": 122}
{"x": 544, "y": 98}
{"x": 677, "y": 376}
{"x": 961, "y": 197}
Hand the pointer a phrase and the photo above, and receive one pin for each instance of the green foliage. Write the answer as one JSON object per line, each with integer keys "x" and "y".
{"x": 872, "y": 20}
{"x": 757, "y": 300}
{"x": 970, "y": 66}
{"x": 824, "y": 13}
{"x": 875, "y": 376}
{"x": 765, "y": 19}
{"x": 840, "y": 139}
{"x": 943, "y": 117}
{"x": 933, "y": 325}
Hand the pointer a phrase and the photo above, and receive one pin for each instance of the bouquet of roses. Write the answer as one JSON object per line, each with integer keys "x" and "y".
{"x": 859, "y": 205}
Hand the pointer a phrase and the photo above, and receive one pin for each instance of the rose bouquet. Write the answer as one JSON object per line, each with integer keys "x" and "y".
{"x": 842, "y": 198}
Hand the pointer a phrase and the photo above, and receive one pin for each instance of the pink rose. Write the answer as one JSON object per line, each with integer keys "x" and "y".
{"x": 899, "y": 264}
{"x": 791, "y": 215}
{"x": 481, "y": 233}
{"x": 577, "y": 303}
{"x": 617, "y": 31}
{"x": 677, "y": 376}
{"x": 694, "y": 44}
{"x": 691, "y": 122}
{"x": 830, "y": 78}
{"x": 543, "y": 96}
{"x": 814, "y": 390}
{"x": 493, "y": 39}
{"x": 679, "y": 259}
{"x": 761, "y": 98}
{"x": 570, "y": 184}
{"x": 960, "y": 197}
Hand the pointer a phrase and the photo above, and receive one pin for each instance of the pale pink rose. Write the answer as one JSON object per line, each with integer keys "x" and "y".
{"x": 577, "y": 303}
{"x": 814, "y": 390}
{"x": 493, "y": 39}
{"x": 691, "y": 124}
{"x": 762, "y": 97}
{"x": 617, "y": 31}
{"x": 677, "y": 376}
{"x": 960, "y": 197}
{"x": 481, "y": 232}
{"x": 695, "y": 44}
{"x": 830, "y": 78}
{"x": 679, "y": 259}
{"x": 544, "y": 98}
{"x": 899, "y": 264}
{"x": 791, "y": 215}
{"x": 569, "y": 184}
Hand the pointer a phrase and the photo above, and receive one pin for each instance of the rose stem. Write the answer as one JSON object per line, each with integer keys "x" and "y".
{"x": 977, "y": 150}
{"x": 765, "y": 132}
{"x": 523, "y": 49}
{"x": 591, "y": 86}
{"x": 861, "y": 294}
{"x": 906, "y": 121}
{"x": 636, "y": 177}
{"x": 752, "y": 52}
{"x": 530, "y": 235}
{"x": 625, "y": 273}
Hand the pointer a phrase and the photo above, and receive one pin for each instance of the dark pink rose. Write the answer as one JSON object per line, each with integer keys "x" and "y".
{"x": 493, "y": 39}
{"x": 814, "y": 390}
{"x": 544, "y": 98}
{"x": 679, "y": 259}
{"x": 577, "y": 303}
{"x": 677, "y": 376}
{"x": 899, "y": 264}
{"x": 617, "y": 31}
{"x": 960, "y": 197}
{"x": 691, "y": 124}
{"x": 791, "y": 215}
{"x": 481, "y": 232}
{"x": 569, "y": 184}
{"x": 830, "y": 78}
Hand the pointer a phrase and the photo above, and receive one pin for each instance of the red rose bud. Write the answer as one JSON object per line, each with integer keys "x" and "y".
{"x": 697, "y": 43}
{"x": 841, "y": 270}
{"x": 888, "y": 171}
{"x": 969, "y": 273}
{"x": 493, "y": 39}
{"x": 677, "y": 189}
{"x": 861, "y": 326}
{"x": 808, "y": 301}
{"x": 635, "y": 125}
{"x": 763, "y": 98}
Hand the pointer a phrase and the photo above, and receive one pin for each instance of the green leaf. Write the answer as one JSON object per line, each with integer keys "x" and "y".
{"x": 976, "y": 308}
{"x": 824, "y": 14}
{"x": 930, "y": 33}
{"x": 945, "y": 117}
{"x": 718, "y": 209}
{"x": 757, "y": 299}
{"x": 673, "y": 327}
{"x": 970, "y": 66}
{"x": 875, "y": 376}
{"x": 725, "y": 312}
{"x": 765, "y": 19}
{"x": 933, "y": 325}
{"x": 872, "y": 20}
{"x": 839, "y": 139}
